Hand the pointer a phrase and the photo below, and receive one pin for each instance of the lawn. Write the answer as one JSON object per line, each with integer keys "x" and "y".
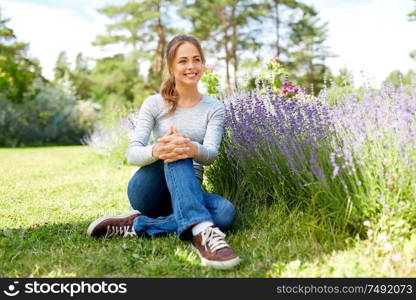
{"x": 49, "y": 195}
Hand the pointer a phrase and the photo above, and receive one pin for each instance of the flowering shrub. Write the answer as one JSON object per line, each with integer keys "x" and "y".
{"x": 344, "y": 162}
{"x": 289, "y": 90}
{"x": 377, "y": 153}
{"x": 275, "y": 77}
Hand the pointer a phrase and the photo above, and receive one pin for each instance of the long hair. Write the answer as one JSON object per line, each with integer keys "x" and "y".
{"x": 168, "y": 87}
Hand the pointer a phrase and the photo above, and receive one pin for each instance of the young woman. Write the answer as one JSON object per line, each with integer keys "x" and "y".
{"x": 165, "y": 192}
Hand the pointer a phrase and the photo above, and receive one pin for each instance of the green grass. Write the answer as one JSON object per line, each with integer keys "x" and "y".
{"x": 49, "y": 195}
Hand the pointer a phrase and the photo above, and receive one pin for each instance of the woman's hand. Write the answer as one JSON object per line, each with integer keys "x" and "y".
{"x": 174, "y": 146}
{"x": 174, "y": 152}
{"x": 158, "y": 149}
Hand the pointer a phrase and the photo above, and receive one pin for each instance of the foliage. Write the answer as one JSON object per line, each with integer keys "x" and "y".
{"x": 211, "y": 81}
{"x": 230, "y": 26}
{"x": 116, "y": 80}
{"x": 274, "y": 77}
{"x": 50, "y": 117}
{"x": 274, "y": 74}
{"x": 412, "y": 17}
{"x": 137, "y": 24}
{"x": 335, "y": 161}
{"x": 308, "y": 52}
{"x": 17, "y": 72}
{"x": 112, "y": 81}
{"x": 398, "y": 79}
{"x": 62, "y": 66}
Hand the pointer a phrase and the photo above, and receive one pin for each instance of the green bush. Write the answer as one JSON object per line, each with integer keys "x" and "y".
{"x": 50, "y": 116}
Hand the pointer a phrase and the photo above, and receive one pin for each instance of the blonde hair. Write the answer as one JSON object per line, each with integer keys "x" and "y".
{"x": 168, "y": 89}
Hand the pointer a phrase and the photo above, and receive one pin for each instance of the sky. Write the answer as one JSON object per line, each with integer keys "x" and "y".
{"x": 370, "y": 37}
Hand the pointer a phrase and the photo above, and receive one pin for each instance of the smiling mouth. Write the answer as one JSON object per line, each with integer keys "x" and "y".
{"x": 191, "y": 75}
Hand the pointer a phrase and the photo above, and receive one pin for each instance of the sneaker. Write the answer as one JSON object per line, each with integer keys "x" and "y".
{"x": 213, "y": 250}
{"x": 109, "y": 226}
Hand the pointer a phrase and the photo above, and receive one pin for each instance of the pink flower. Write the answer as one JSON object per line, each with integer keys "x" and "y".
{"x": 276, "y": 59}
{"x": 285, "y": 91}
{"x": 210, "y": 67}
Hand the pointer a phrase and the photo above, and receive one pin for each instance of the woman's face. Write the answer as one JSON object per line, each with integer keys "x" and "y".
{"x": 187, "y": 66}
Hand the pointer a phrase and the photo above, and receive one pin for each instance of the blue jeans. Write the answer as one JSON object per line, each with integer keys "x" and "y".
{"x": 171, "y": 200}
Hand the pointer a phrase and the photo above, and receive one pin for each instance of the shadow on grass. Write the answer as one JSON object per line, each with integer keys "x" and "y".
{"x": 266, "y": 240}
{"x": 272, "y": 238}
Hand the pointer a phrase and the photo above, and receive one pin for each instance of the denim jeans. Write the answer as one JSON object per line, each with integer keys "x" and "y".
{"x": 171, "y": 200}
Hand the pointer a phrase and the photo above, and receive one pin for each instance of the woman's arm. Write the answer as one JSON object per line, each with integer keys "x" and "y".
{"x": 138, "y": 152}
{"x": 208, "y": 151}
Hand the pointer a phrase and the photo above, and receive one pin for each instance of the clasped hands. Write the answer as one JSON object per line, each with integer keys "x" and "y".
{"x": 174, "y": 146}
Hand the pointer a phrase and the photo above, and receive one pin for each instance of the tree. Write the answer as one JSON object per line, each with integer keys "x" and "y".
{"x": 141, "y": 25}
{"x": 81, "y": 77}
{"x": 61, "y": 66}
{"x": 308, "y": 51}
{"x": 243, "y": 15}
{"x": 344, "y": 78}
{"x": 398, "y": 79}
{"x": 277, "y": 8}
{"x": 224, "y": 24}
{"x": 16, "y": 70}
{"x": 412, "y": 17}
{"x": 116, "y": 79}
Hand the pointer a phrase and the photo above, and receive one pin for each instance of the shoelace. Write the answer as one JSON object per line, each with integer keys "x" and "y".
{"x": 124, "y": 231}
{"x": 213, "y": 238}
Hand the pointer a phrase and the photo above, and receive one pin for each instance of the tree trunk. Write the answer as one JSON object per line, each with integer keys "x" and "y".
{"x": 276, "y": 11}
{"x": 157, "y": 64}
{"x": 158, "y": 61}
{"x": 224, "y": 21}
{"x": 234, "y": 45}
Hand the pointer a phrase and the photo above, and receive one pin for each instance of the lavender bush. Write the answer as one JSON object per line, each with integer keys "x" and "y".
{"x": 349, "y": 163}
{"x": 377, "y": 156}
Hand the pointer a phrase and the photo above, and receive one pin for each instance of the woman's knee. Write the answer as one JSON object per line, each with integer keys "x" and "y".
{"x": 147, "y": 190}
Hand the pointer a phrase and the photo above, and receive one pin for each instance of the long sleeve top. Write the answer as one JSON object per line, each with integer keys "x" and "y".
{"x": 203, "y": 123}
